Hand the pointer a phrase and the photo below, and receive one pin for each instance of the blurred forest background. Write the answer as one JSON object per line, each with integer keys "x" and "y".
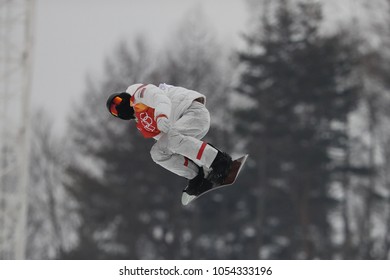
{"x": 310, "y": 105}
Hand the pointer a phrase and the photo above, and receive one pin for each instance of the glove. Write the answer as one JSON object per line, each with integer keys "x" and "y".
{"x": 163, "y": 124}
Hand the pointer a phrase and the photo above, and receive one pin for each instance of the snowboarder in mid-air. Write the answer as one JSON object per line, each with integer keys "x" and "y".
{"x": 177, "y": 118}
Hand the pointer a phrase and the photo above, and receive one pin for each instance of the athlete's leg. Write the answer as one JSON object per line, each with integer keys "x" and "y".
{"x": 181, "y": 148}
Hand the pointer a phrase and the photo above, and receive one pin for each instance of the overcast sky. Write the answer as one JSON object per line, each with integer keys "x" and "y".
{"x": 73, "y": 37}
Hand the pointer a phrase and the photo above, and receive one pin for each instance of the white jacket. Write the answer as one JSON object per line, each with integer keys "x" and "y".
{"x": 167, "y": 100}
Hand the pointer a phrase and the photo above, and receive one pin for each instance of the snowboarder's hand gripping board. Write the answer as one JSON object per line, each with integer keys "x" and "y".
{"x": 229, "y": 180}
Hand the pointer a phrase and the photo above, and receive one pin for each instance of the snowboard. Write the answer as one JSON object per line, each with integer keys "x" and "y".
{"x": 229, "y": 180}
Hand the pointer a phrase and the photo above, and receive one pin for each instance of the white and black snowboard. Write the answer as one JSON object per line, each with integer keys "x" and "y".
{"x": 230, "y": 179}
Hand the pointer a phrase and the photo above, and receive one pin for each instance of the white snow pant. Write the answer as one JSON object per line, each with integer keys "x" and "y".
{"x": 174, "y": 149}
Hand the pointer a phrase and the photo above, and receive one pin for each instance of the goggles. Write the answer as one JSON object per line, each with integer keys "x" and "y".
{"x": 115, "y": 102}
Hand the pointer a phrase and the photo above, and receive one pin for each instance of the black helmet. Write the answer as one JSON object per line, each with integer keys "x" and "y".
{"x": 118, "y": 104}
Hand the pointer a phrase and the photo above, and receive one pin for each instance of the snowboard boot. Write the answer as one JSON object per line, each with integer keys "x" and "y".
{"x": 220, "y": 168}
{"x": 198, "y": 184}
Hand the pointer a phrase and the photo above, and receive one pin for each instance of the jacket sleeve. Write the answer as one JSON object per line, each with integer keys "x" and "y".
{"x": 154, "y": 97}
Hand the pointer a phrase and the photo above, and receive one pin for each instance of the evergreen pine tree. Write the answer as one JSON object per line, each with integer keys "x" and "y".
{"x": 299, "y": 84}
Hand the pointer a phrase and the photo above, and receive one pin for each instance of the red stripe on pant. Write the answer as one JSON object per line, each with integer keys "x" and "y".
{"x": 201, "y": 150}
{"x": 185, "y": 161}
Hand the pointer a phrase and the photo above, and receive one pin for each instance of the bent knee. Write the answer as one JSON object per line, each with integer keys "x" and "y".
{"x": 158, "y": 154}
{"x": 175, "y": 139}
